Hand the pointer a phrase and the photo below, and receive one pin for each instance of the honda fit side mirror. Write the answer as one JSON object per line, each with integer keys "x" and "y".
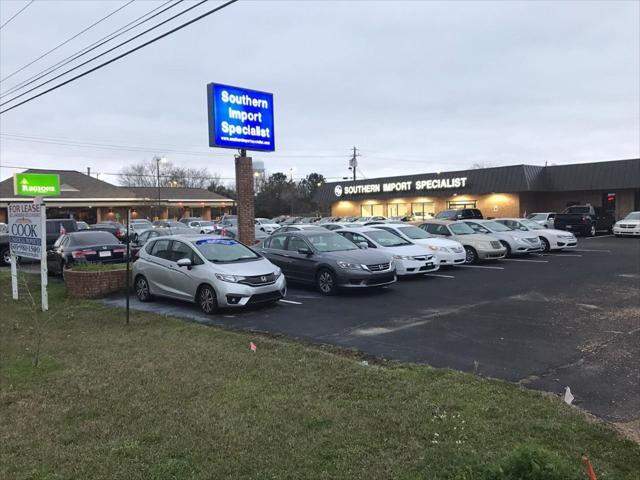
{"x": 184, "y": 262}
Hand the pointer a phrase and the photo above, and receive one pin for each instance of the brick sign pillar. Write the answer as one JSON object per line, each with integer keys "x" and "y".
{"x": 245, "y": 200}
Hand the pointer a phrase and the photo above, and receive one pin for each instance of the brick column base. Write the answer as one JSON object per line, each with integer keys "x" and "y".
{"x": 245, "y": 200}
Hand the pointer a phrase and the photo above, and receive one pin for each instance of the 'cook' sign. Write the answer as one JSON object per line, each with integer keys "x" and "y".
{"x": 25, "y": 229}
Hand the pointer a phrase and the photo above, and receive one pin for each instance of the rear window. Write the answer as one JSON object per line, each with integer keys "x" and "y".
{"x": 92, "y": 238}
{"x": 577, "y": 210}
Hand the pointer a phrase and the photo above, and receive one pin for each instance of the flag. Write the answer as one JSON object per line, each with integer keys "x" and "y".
{"x": 589, "y": 467}
{"x": 252, "y": 347}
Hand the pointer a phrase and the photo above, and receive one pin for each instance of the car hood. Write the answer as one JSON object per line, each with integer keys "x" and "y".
{"x": 475, "y": 238}
{"x": 410, "y": 250}
{"x": 365, "y": 256}
{"x": 250, "y": 268}
{"x": 628, "y": 222}
{"x": 437, "y": 242}
{"x": 552, "y": 231}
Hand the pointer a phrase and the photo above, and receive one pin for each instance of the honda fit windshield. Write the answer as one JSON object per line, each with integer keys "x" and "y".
{"x": 330, "y": 242}
{"x": 461, "y": 229}
{"x": 531, "y": 225}
{"x": 414, "y": 233}
{"x": 497, "y": 227}
{"x": 224, "y": 250}
{"x": 386, "y": 239}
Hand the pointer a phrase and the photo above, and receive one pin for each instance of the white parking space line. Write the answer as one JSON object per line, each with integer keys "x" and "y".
{"x": 565, "y": 255}
{"x": 438, "y": 275}
{"x": 601, "y": 236}
{"x": 290, "y": 301}
{"x": 523, "y": 260}
{"x": 480, "y": 266}
{"x": 583, "y": 250}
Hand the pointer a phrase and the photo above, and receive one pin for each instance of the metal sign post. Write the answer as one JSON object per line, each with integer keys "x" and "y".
{"x": 14, "y": 276}
{"x": 44, "y": 278}
{"x": 128, "y": 259}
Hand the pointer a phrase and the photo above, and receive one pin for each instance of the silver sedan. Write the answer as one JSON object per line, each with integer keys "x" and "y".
{"x": 515, "y": 241}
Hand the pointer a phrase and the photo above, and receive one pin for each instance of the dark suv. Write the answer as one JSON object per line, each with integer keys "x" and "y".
{"x": 461, "y": 214}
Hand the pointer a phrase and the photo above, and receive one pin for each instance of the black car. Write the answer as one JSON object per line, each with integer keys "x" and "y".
{"x": 117, "y": 229}
{"x": 460, "y": 214}
{"x": 584, "y": 219}
{"x": 85, "y": 247}
{"x": 328, "y": 261}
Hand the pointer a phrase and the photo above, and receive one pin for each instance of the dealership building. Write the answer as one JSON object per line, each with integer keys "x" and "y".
{"x": 509, "y": 191}
{"x": 86, "y": 198}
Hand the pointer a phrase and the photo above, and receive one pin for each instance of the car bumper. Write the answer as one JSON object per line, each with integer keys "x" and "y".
{"x": 566, "y": 243}
{"x": 416, "y": 267}
{"x": 363, "y": 279}
{"x": 523, "y": 249}
{"x": 493, "y": 254}
{"x": 239, "y": 295}
{"x": 626, "y": 231}
{"x": 445, "y": 259}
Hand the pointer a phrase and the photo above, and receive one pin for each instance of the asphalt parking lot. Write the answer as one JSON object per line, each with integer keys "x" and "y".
{"x": 545, "y": 321}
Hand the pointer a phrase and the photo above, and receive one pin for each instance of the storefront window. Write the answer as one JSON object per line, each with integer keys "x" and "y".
{"x": 457, "y": 205}
{"x": 371, "y": 210}
{"x": 422, "y": 210}
{"x": 397, "y": 209}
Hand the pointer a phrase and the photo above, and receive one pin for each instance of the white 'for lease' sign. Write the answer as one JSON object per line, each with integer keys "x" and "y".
{"x": 25, "y": 229}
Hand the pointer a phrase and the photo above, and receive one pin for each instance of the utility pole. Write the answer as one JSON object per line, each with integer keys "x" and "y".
{"x": 353, "y": 162}
{"x": 88, "y": 171}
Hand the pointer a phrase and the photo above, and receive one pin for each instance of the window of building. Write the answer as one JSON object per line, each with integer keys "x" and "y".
{"x": 457, "y": 205}
{"x": 398, "y": 209}
{"x": 422, "y": 209}
{"x": 371, "y": 210}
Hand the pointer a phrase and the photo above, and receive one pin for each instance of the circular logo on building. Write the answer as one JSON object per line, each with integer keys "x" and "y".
{"x": 338, "y": 190}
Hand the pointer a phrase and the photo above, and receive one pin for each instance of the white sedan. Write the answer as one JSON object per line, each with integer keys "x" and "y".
{"x": 551, "y": 238}
{"x": 202, "y": 226}
{"x": 409, "y": 258}
{"x": 266, "y": 225}
{"x": 447, "y": 252}
{"x": 629, "y": 225}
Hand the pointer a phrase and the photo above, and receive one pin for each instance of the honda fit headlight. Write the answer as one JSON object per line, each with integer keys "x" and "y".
{"x": 229, "y": 278}
{"x": 349, "y": 265}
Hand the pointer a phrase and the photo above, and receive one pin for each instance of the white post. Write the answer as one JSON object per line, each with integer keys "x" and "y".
{"x": 14, "y": 277}
{"x": 44, "y": 280}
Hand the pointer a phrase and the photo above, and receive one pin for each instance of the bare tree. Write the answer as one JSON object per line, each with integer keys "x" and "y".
{"x": 145, "y": 174}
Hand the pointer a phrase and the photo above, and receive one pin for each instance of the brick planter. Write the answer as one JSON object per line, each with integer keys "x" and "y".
{"x": 94, "y": 284}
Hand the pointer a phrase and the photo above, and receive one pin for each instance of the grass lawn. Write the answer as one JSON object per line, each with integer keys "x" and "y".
{"x": 165, "y": 399}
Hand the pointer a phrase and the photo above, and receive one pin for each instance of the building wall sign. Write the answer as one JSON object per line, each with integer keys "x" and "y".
{"x": 36, "y": 184}
{"x": 405, "y": 186}
{"x": 240, "y": 118}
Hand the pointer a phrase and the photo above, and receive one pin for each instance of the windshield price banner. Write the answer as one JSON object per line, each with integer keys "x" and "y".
{"x": 240, "y": 118}
{"x": 25, "y": 229}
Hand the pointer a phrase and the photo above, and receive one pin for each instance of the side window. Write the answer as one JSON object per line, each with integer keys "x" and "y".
{"x": 552, "y": 216}
{"x": 357, "y": 238}
{"x": 347, "y": 235}
{"x": 58, "y": 242}
{"x": 441, "y": 230}
{"x": 432, "y": 228}
{"x": 149, "y": 247}
{"x": 277, "y": 242}
{"x": 180, "y": 250}
{"x": 296, "y": 243}
{"x": 161, "y": 249}
{"x": 477, "y": 228}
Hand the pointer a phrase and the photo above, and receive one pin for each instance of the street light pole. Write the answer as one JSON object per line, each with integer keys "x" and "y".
{"x": 158, "y": 160}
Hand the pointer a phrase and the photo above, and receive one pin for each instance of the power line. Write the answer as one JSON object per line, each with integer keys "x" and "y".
{"x": 132, "y": 148}
{"x": 115, "y": 58}
{"x": 16, "y": 14}
{"x": 84, "y": 51}
{"x": 67, "y": 40}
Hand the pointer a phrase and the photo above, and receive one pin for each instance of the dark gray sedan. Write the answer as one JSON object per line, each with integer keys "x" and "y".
{"x": 327, "y": 260}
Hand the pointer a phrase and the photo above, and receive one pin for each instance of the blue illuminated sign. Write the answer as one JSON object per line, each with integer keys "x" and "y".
{"x": 240, "y": 118}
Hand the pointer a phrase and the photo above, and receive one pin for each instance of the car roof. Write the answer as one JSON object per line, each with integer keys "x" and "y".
{"x": 438, "y": 221}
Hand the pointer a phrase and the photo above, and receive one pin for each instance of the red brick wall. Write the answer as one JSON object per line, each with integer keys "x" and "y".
{"x": 94, "y": 284}
{"x": 245, "y": 201}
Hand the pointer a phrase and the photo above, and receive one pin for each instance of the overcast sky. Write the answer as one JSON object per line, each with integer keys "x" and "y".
{"x": 416, "y": 86}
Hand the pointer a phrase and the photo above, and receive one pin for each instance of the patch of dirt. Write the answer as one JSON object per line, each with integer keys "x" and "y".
{"x": 630, "y": 430}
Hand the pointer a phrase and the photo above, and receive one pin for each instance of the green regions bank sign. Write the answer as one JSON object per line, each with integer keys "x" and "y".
{"x": 36, "y": 184}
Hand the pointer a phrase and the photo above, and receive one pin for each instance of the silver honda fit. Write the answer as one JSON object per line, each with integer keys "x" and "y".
{"x": 210, "y": 270}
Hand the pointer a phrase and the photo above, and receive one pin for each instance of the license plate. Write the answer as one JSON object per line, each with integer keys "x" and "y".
{"x": 104, "y": 254}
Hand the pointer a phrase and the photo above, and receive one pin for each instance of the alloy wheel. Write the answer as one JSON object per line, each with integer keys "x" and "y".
{"x": 592, "y": 231}
{"x": 142, "y": 289}
{"x": 6, "y": 256}
{"x": 207, "y": 299}
{"x": 545, "y": 244}
{"x": 326, "y": 283}
{"x": 470, "y": 255}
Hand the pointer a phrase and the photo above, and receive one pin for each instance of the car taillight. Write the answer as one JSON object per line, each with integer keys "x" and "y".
{"x": 82, "y": 253}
